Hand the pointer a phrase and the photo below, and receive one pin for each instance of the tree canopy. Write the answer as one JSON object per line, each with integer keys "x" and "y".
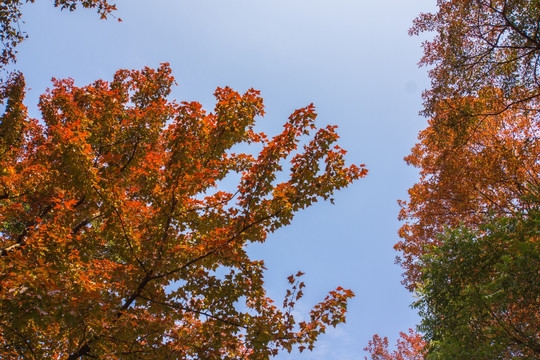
{"x": 117, "y": 240}
{"x": 479, "y": 154}
{"x": 118, "y": 236}
{"x": 478, "y": 297}
{"x": 469, "y": 244}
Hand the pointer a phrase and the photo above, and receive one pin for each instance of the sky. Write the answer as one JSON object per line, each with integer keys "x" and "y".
{"x": 352, "y": 58}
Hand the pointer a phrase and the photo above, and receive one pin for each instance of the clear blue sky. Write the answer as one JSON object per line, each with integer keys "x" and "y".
{"x": 352, "y": 58}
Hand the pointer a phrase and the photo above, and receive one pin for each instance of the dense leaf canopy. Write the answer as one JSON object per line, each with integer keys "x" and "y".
{"x": 118, "y": 239}
{"x": 469, "y": 243}
{"x": 480, "y": 152}
{"x": 479, "y": 295}
{"x": 120, "y": 236}
{"x": 471, "y": 166}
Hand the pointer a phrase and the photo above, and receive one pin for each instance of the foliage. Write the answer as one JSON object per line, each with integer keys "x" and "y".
{"x": 479, "y": 298}
{"x": 470, "y": 166}
{"x": 470, "y": 239}
{"x": 410, "y": 346}
{"x": 118, "y": 240}
{"x": 482, "y": 44}
{"x": 10, "y": 14}
{"x": 479, "y": 154}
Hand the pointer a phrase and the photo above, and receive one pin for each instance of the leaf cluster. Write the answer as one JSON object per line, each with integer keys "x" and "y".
{"x": 478, "y": 294}
{"x": 409, "y": 346}
{"x": 481, "y": 44}
{"x": 117, "y": 240}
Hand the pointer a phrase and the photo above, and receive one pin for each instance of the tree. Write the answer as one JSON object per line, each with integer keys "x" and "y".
{"x": 482, "y": 44}
{"x": 118, "y": 240}
{"x": 479, "y": 297}
{"x": 470, "y": 166}
{"x": 410, "y": 346}
{"x": 11, "y": 34}
{"x": 484, "y": 125}
{"x": 469, "y": 242}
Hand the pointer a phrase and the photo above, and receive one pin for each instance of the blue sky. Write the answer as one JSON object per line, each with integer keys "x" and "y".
{"x": 352, "y": 58}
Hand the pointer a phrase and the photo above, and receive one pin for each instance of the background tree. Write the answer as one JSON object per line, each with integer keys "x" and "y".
{"x": 479, "y": 154}
{"x": 469, "y": 242}
{"x": 479, "y": 297}
{"x": 482, "y": 44}
{"x": 471, "y": 166}
{"x": 118, "y": 240}
{"x": 409, "y": 346}
{"x": 484, "y": 76}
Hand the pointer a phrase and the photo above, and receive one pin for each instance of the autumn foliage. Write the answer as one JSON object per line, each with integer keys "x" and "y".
{"x": 472, "y": 165}
{"x": 479, "y": 154}
{"x": 118, "y": 240}
{"x": 409, "y": 346}
{"x": 482, "y": 44}
{"x": 469, "y": 244}
{"x": 120, "y": 236}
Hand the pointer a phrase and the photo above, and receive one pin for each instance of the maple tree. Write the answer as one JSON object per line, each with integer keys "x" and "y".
{"x": 486, "y": 164}
{"x": 482, "y": 44}
{"x": 409, "y": 346}
{"x": 117, "y": 239}
{"x": 469, "y": 243}
{"x": 483, "y": 121}
{"x": 11, "y": 34}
